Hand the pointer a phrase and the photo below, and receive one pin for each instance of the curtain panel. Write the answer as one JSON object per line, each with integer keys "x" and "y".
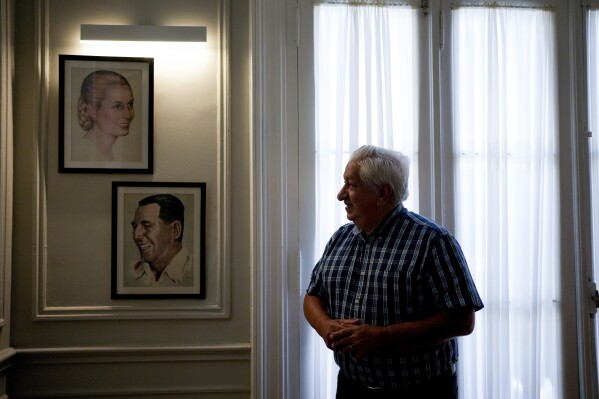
{"x": 506, "y": 168}
{"x": 504, "y": 104}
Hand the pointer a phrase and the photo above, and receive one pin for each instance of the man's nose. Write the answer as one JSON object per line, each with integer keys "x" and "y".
{"x": 342, "y": 194}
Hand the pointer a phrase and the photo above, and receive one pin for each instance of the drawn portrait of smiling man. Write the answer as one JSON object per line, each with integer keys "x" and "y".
{"x": 157, "y": 231}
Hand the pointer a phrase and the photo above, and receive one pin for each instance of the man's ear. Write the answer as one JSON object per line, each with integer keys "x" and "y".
{"x": 384, "y": 194}
{"x": 176, "y": 229}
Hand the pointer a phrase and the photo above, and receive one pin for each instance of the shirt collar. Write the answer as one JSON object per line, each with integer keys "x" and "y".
{"x": 176, "y": 268}
{"x": 383, "y": 225}
{"x": 174, "y": 271}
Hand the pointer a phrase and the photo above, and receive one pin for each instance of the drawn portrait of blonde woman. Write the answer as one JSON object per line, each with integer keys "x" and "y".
{"x": 105, "y": 111}
{"x": 105, "y": 114}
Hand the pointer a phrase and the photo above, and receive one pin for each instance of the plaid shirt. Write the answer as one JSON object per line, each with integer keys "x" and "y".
{"x": 407, "y": 269}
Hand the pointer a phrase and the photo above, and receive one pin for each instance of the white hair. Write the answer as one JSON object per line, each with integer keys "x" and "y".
{"x": 378, "y": 166}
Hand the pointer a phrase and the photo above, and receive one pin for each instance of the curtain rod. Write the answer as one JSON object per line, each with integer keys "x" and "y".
{"x": 502, "y": 4}
{"x": 370, "y": 2}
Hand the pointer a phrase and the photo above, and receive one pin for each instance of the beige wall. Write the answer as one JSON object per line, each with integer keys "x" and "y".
{"x": 6, "y": 351}
{"x": 71, "y": 337}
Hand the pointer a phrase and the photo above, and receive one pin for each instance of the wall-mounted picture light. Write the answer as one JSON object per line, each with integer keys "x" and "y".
{"x": 143, "y": 33}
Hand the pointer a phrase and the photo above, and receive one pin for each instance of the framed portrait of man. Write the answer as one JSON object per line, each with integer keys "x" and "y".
{"x": 158, "y": 240}
{"x": 106, "y": 114}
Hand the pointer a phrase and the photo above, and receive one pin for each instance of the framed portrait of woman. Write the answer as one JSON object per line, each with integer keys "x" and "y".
{"x": 106, "y": 114}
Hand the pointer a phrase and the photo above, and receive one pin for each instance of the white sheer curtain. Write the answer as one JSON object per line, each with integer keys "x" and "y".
{"x": 593, "y": 83}
{"x": 504, "y": 102}
{"x": 366, "y": 75}
{"x": 505, "y": 154}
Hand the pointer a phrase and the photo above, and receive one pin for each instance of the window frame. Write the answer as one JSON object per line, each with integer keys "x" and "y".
{"x": 276, "y": 160}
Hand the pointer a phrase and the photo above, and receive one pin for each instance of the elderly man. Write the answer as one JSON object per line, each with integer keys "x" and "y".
{"x": 157, "y": 233}
{"x": 392, "y": 290}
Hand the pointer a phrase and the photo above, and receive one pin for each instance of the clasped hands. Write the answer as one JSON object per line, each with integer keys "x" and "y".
{"x": 354, "y": 337}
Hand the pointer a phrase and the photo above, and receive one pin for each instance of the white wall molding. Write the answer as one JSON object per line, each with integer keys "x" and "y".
{"x": 114, "y": 354}
{"x": 218, "y": 303}
{"x": 6, "y": 156}
{"x": 152, "y": 372}
{"x": 7, "y": 353}
{"x": 6, "y": 358}
{"x": 276, "y": 260}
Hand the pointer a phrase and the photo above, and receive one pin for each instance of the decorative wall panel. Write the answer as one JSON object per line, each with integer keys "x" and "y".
{"x": 72, "y": 212}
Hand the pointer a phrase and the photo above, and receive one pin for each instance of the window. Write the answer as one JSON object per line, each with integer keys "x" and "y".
{"x": 504, "y": 182}
{"x": 593, "y": 116}
{"x": 367, "y": 92}
{"x": 506, "y": 168}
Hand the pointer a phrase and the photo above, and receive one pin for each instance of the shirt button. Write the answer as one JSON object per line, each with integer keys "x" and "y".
{"x": 356, "y": 301}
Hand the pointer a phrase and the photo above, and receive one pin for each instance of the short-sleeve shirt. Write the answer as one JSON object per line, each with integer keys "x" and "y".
{"x": 408, "y": 268}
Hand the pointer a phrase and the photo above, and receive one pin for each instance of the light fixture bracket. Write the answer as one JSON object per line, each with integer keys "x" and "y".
{"x": 143, "y": 33}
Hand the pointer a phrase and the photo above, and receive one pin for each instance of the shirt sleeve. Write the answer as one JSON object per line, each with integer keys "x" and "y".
{"x": 317, "y": 286}
{"x": 450, "y": 281}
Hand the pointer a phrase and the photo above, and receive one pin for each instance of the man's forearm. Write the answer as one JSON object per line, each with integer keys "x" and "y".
{"x": 362, "y": 339}
{"x": 315, "y": 313}
{"x": 431, "y": 330}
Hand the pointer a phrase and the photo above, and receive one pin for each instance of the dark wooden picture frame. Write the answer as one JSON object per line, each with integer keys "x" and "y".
{"x": 145, "y": 226}
{"x": 106, "y": 114}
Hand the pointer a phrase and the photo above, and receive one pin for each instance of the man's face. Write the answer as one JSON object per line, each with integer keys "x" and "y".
{"x": 359, "y": 199}
{"x": 153, "y": 237}
{"x": 116, "y": 111}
